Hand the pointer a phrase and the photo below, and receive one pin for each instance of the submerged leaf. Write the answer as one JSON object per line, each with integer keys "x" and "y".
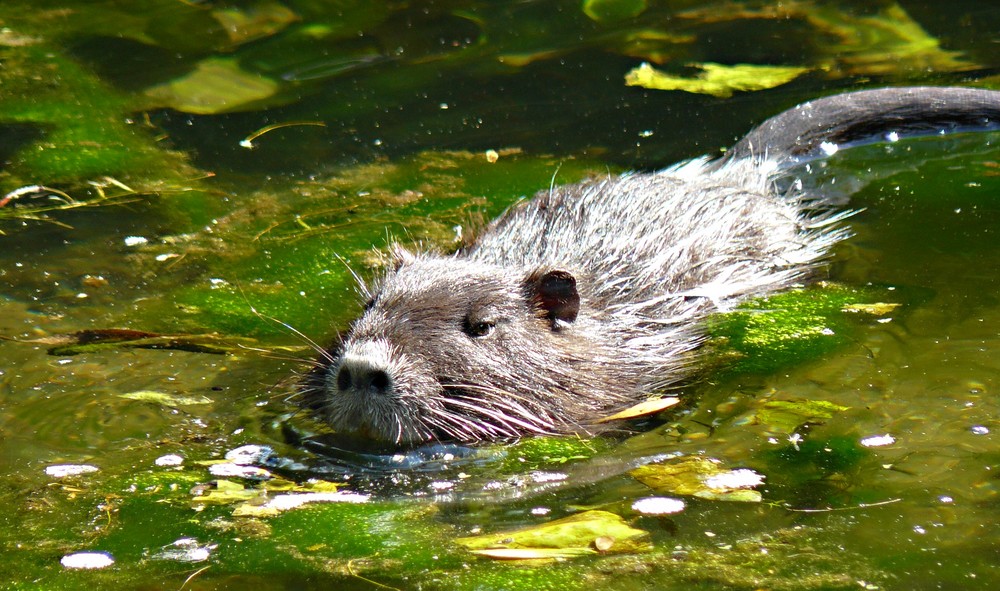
{"x": 705, "y": 478}
{"x": 91, "y": 340}
{"x": 884, "y": 43}
{"x": 875, "y": 309}
{"x": 788, "y": 415}
{"x": 261, "y": 20}
{"x": 217, "y": 85}
{"x": 877, "y": 43}
{"x": 613, "y": 10}
{"x": 716, "y": 79}
{"x": 164, "y": 399}
{"x": 590, "y": 532}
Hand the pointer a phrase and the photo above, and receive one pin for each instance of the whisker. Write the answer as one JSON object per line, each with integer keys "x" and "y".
{"x": 504, "y": 419}
{"x": 362, "y": 286}
{"x": 322, "y": 351}
{"x": 502, "y": 398}
{"x": 449, "y": 422}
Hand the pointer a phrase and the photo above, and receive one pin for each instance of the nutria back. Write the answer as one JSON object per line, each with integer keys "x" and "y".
{"x": 589, "y": 297}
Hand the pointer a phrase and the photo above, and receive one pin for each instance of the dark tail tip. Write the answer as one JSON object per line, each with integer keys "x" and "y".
{"x": 812, "y": 129}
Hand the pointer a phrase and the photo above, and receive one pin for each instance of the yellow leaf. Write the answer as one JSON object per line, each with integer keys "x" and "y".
{"x": 642, "y": 409}
{"x": 715, "y": 79}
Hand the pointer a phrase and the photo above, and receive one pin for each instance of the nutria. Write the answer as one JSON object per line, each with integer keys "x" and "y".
{"x": 586, "y": 298}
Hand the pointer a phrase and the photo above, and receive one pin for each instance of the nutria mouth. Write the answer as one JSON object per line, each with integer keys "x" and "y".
{"x": 585, "y": 299}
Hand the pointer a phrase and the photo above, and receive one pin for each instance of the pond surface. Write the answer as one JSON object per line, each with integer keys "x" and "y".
{"x": 211, "y": 174}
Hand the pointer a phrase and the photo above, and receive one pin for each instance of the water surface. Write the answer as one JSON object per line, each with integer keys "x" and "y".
{"x": 200, "y": 162}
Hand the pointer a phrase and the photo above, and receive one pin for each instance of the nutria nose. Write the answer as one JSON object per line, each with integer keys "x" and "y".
{"x": 360, "y": 376}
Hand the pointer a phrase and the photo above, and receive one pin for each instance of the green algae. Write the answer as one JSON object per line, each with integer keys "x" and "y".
{"x": 549, "y": 453}
{"x": 819, "y": 456}
{"x": 95, "y": 138}
{"x": 789, "y": 328}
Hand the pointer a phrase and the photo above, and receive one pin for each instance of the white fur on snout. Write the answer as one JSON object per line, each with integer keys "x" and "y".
{"x": 364, "y": 356}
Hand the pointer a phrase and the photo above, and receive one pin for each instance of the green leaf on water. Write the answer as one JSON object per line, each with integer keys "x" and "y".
{"x": 715, "y": 79}
{"x": 590, "y": 532}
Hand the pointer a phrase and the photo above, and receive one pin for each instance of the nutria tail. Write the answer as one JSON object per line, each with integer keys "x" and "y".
{"x": 819, "y": 127}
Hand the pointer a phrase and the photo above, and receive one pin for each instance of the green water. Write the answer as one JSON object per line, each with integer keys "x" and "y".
{"x": 211, "y": 169}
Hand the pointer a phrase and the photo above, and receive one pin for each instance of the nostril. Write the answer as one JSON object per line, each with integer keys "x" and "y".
{"x": 343, "y": 378}
{"x": 362, "y": 377}
{"x": 380, "y": 381}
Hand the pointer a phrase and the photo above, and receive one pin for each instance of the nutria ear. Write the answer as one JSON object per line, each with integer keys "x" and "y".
{"x": 554, "y": 294}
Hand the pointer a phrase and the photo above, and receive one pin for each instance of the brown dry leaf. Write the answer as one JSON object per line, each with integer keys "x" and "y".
{"x": 642, "y": 409}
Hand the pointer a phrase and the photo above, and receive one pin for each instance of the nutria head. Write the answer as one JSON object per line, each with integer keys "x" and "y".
{"x": 450, "y": 349}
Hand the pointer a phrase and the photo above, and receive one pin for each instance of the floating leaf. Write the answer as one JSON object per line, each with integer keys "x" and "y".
{"x": 590, "y": 532}
{"x": 788, "y": 415}
{"x": 642, "y": 409}
{"x": 705, "y": 478}
{"x": 217, "y": 85}
{"x": 532, "y": 553}
{"x": 715, "y": 79}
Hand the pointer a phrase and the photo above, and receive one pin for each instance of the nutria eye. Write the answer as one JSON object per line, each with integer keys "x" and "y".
{"x": 369, "y": 304}
{"x": 479, "y": 329}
